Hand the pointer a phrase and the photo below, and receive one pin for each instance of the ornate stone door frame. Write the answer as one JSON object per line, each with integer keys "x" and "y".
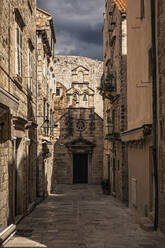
{"x": 82, "y": 146}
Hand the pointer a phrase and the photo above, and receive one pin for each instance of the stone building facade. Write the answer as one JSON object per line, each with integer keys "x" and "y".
{"x": 159, "y": 15}
{"x": 63, "y": 66}
{"x": 78, "y": 149}
{"x": 60, "y": 101}
{"x": 138, "y": 135}
{"x": 113, "y": 89}
{"x": 45, "y": 104}
{"x": 17, "y": 110}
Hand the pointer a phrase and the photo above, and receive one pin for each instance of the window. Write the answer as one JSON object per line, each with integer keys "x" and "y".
{"x": 44, "y": 104}
{"x": 54, "y": 85}
{"x": 118, "y": 165}
{"x": 142, "y": 9}
{"x": 57, "y": 92}
{"x": 75, "y": 97}
{"x": 47, "y": 111}
{"x": 52, "y": 44}
{"x": 113, "y": 119}
{"x": 30, "y": 84}
{"x": 18, "y": 50}
{"x": 50, "y": 122}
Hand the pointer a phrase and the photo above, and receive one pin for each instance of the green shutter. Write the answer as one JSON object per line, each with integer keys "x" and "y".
{"x": 75, "y": 97}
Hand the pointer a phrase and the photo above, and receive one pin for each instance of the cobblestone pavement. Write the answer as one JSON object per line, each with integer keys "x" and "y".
{"x": 80, "y": 216}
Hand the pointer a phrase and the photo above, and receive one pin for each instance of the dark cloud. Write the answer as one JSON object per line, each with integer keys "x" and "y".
{"x": 78, "y": 25}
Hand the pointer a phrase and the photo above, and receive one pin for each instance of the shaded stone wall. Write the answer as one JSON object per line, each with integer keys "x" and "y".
{"x": 45, "y": 51}
{"x": 160, "y": 22}
{"x": 60, "y": 101}
{"x": 139, "y": 108}
{"x": 115, "y": 99}
{"x": 17, "y": 110}
{"x": 72, "y": 140}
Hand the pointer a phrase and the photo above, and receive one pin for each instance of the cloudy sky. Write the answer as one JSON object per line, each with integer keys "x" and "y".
{"x": 78, "y": 25}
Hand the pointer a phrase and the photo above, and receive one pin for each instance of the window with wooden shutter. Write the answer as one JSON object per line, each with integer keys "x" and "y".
{"x": 54, "y": 86}
{"x": 44, "y": 110}
{"x": 30, "y": 83}
{"x": 18, "y": 51}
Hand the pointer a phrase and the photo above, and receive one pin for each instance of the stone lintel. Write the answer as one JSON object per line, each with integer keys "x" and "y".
{"x": 137, "y": 133}
{"x": 19, "y": 122}
{"x": 8, "y": 100}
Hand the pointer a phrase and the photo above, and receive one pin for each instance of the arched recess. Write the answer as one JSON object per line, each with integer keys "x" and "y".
{"x": 76, "y": 96}
{"x": 85, "y": 96}
{"x": 80, "y": 76}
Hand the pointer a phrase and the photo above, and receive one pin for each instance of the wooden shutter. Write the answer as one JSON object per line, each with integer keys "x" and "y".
{"x": 16, "y": 48}
{"x": 44, "y": 110}
{"x": 30, "y": 86}
{"x": 54, "y": 86}
{"x": 20, "y": 52}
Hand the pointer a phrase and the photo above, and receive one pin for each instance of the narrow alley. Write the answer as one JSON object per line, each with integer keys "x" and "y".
{"x": 82, "y": 216}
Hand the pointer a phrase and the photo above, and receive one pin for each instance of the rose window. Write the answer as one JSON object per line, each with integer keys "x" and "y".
{"x": 80, "y": 125}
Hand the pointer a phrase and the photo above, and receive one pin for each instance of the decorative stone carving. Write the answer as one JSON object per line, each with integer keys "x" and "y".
{"x": 81, "y": 125}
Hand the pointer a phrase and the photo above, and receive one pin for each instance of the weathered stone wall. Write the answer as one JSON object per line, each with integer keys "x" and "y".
{"x": 115, "y": 100}
{"x": 4, "y": 183}
{"x": 60, "y": 101}
{"x": 45, "y": 51}
{"x": 160, "y": 22}
{"x": 71, "y": 140}
{"x": 19, "y": 106}
{"x": 63, "y": 66}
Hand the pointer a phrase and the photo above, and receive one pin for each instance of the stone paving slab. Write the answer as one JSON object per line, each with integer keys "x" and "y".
{"x": 80, "y": 216}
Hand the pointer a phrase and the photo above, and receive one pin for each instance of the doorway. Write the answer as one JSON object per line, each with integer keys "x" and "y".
{"x": 18, "y": 176}
{"x": 80, "y": 168}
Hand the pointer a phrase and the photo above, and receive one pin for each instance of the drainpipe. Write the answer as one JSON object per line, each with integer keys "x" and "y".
{"x": 154, "y": 105}
{"x": 37, "y": 159}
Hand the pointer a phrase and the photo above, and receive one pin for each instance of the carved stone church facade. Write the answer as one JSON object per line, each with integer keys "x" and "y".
{"x": 78, "y": 149}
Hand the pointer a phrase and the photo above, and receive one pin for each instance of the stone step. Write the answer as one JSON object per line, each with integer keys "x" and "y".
{"x": 22, "y": 242}
{"x": 146, "y": 224}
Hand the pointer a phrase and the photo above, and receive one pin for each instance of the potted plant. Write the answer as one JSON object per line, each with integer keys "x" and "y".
{"x": 105, "y": 184}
